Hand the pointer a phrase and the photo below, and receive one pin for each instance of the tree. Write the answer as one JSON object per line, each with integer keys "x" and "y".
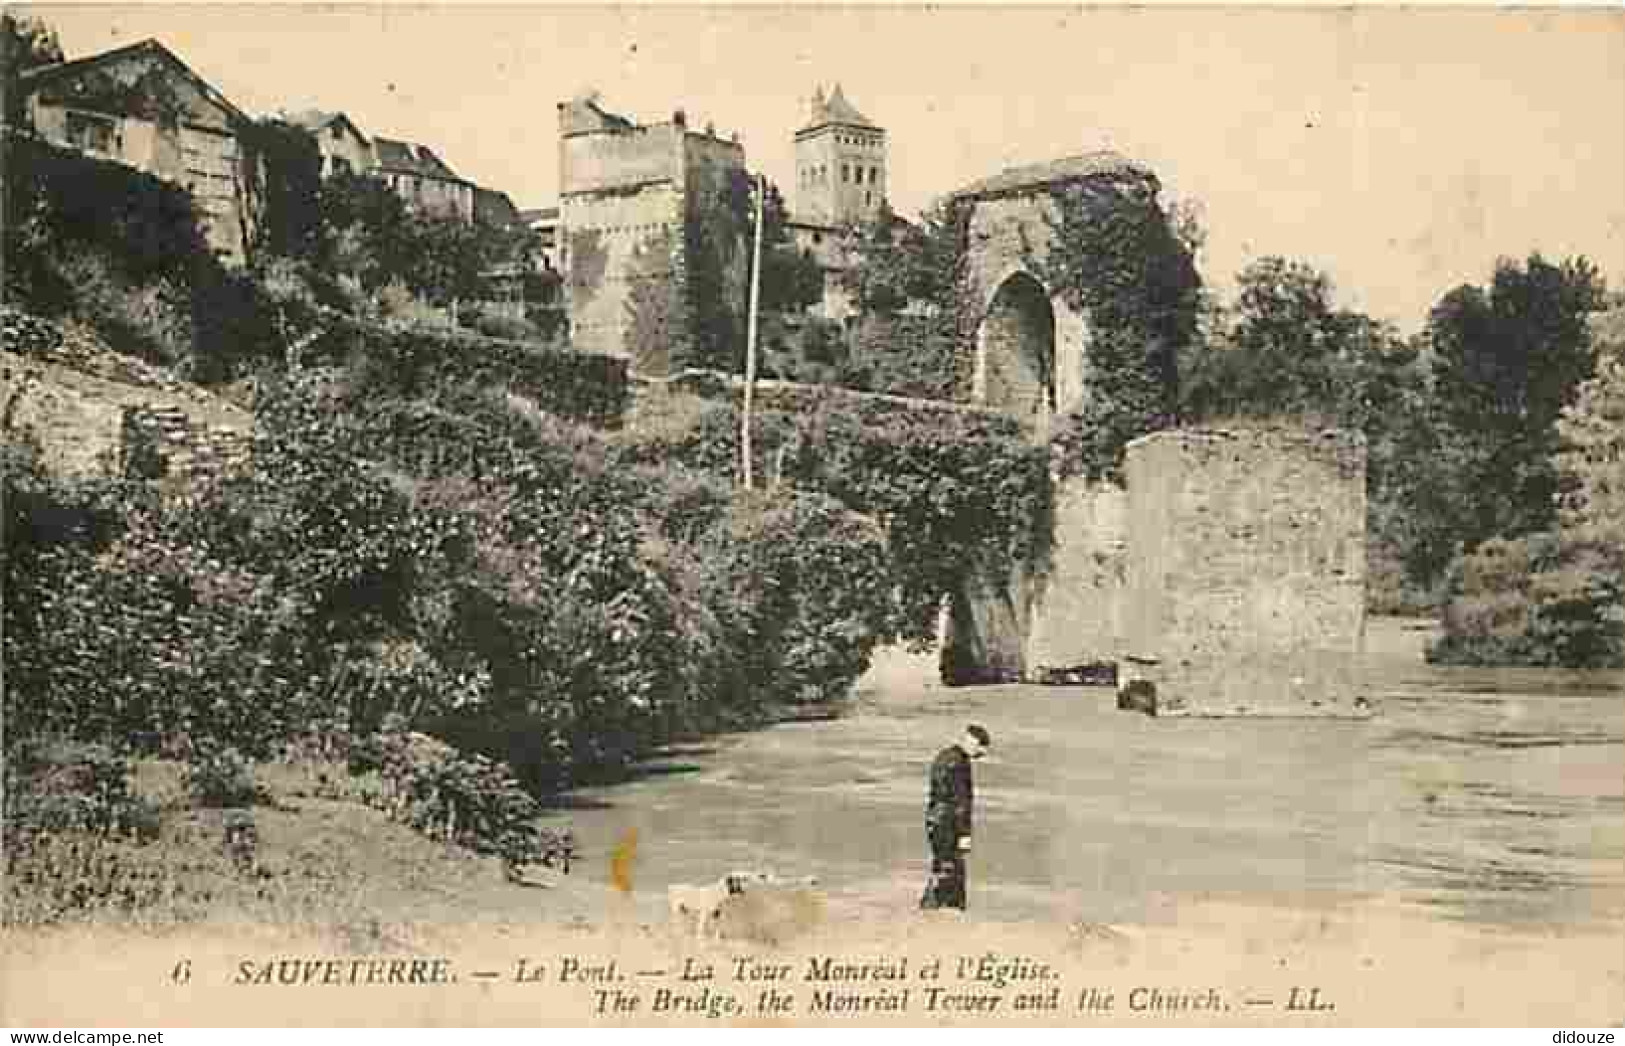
{"x": 443, "y": 258}
{"x": 1284, "y": 348}
{"x": 716, "y": 250}
{"x": 25, "y": 43}
{"x": 35, "y": 42}
{"x": 903, "y": 281}
{"x": 363, "y": 224}
{"x": 284, "y": 185}
{"x": 1508, "y": 359}
{"x": 901, "y": 264}
{"x": 1581, "y": 603}
{"x": 792, "y": 280}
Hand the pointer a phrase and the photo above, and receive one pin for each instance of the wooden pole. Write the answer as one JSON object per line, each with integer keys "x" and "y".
{"x": 750, "y": 339}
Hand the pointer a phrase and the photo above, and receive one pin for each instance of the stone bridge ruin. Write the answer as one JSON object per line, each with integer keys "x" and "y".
{"x": 1229, "y": 569}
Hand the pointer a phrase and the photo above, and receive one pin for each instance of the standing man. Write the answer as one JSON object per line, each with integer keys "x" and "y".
{"x": 948, "y": 818}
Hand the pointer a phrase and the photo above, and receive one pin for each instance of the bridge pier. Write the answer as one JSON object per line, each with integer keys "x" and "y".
{"x": 1231, "y": 567}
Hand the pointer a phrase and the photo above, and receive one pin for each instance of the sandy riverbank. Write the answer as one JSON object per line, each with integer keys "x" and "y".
{"x": 1207, "y": 961}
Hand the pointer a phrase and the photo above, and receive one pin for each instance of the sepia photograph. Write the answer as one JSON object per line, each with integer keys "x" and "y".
{"x": 824, "y": 515}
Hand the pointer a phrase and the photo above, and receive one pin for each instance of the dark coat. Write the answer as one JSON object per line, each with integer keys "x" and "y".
{"x": 952, "y": 794}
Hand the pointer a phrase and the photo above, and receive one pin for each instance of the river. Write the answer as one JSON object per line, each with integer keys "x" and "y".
{"x": 1489, "y": 796}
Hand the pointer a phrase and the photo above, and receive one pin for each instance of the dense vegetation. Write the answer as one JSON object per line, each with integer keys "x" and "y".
{"x": 1478, "y": 428}
{"x": 1119, "y": 259}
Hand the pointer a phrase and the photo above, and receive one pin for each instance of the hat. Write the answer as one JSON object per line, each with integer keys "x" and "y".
{"x": 979, "y": 732}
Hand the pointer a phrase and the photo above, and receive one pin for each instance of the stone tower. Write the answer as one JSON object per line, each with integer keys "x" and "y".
{"x": 840, "y": 163}
{"x": 630, "y": 195}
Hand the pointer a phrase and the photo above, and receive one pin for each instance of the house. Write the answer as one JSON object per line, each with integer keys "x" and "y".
{"x": 544, "y": 222}
{"x": 344, "y": 149}
{"x": 142, "y": 106}
{"x": 422, "y": 179}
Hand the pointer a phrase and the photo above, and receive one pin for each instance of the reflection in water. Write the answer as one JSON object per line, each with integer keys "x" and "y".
{"x": 1495, "y": 797}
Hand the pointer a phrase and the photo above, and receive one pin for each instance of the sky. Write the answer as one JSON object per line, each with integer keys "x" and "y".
{"x": 1400, "y": 150}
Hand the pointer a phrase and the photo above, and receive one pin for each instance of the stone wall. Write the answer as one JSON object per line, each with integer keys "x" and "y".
{"x": 1005, "y": 236}
{"x": 165, "y": 442}
{"x": 93, "y": 412}
{"x": 612, "y": 242}
{"x": 1080, "y": 615}
{"x": 1246, "y": 577}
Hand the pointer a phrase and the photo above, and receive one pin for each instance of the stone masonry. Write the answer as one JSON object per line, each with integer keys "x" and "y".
{"x": 93, "y": 412}
{"x": 628, "y": 196}
{"x": 1246, "y": 569}
{"x": 1080, "y": 615}
{"x": 1030, "y": 348}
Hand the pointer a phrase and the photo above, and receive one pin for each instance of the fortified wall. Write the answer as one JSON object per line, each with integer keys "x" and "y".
{"x": 629, "y": 195}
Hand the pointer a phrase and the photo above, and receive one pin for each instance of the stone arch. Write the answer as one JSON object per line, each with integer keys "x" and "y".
{"x": 1016, "y": 350}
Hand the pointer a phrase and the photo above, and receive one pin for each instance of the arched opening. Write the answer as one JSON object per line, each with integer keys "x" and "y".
{"x": 1015, "y": 350}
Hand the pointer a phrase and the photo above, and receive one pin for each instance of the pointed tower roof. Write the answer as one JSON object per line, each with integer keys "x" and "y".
{"x": 836, "y": 109}
{"x": 843, "y": 111}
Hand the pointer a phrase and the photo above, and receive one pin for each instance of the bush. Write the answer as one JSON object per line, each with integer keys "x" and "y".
{"x": 221, "y": 777}
{"x": 75, "y": 836}
{"x": 56, "y": 785}
{"x": 956, "y": 490}
{"x": 58, "y": 198}
{"x": 1487, "y": 616}
{"x": 1525, "y": 602}
{"x": 418, "y": 363}
{"x": 495, "y": 323}
{"x": 470, "y": 801}
{"x": 803, "y": 589}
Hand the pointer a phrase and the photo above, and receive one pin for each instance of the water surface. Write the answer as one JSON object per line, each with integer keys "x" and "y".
{"x": 1490, "y": 796}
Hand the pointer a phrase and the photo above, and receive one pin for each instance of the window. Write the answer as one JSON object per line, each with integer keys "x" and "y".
{"x": 93, "y": 133}
{"x": 845, "y": 172}
{"x": 340, "y": 165}
{"x": 868, "y": 198}
{"x": 335, "y": 131}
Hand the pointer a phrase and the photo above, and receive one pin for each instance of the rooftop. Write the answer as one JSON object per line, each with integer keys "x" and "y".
{"x": 1103, "y": 164}
{"x": 836, "y": 109}
{"x": 31, "y": 79}
{"x": 318, "y": 119}
{"x": 411, "y": 158}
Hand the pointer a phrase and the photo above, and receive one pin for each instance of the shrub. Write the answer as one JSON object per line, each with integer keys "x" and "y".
{"x": 956, "y": 491}
{"x": 152, "y": 321}
{"x": 803, "y": 588}
{"x": 220, "y": 777}
{"x": 495, "y": 323}
{"x": 418, "y": 362}
{"x": 472, "y": 801}
{"x": 1530, "y": 601}
{"x": 75, "y": 836}
{"x": 56, "y": 785}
